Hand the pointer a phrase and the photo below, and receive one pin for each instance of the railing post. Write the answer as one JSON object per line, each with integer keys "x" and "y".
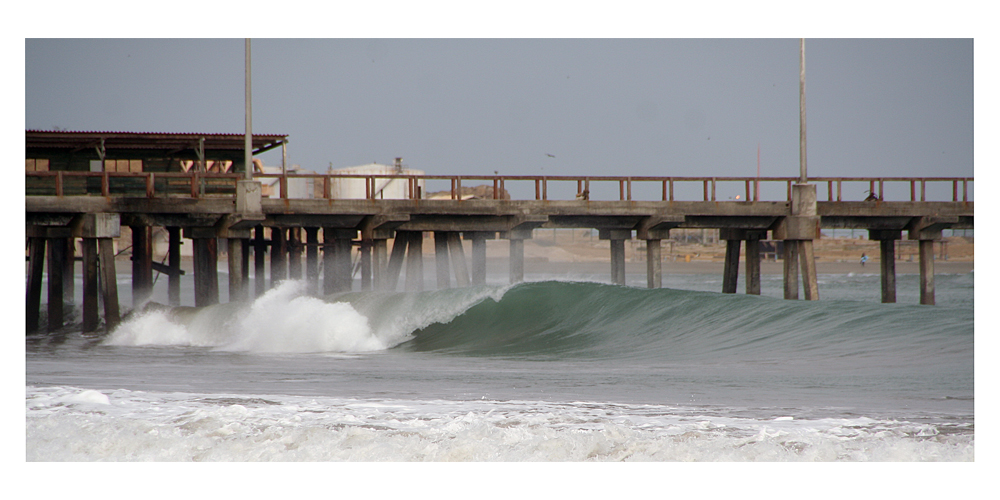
{"x": 496, "y": 194}
{"x": 881, "y": 193}
{"x": 326, "y": 187}
{"x": 664, "y": 190}
{"x": 501, "y": 186}
{"x": 150, "y": 184}
{"x": 671, "y": 190}
{"x": 545, "y": 188}
{"x": 965, "y": 190}
{"x": 458, "y": 187}
{"x": 59, "y": 183}
{"x": 105, "y": 185}
{"x": 838, "y": 189}
{"x": 621, "y": 190}
{"x": 713, "y": 188}
{"x": 453, "y": 188}
{"x": 194, "y": 184}
{"x": 747, "y": 182}
{"x": 705, "y": 189}
{"x": 913, "y": 190}
{"x": 789, "y": 193}
{"x": 283, "y": 185}
{"x": 954, "y": 190}
{"x": 923, "y": 190}
{"x": 829, "y": 190}
{"x": 629, "y": 182}
{"x": 537, "y": 190}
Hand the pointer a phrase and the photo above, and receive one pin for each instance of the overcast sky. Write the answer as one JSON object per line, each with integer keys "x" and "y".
{"x": 888, "y": 107}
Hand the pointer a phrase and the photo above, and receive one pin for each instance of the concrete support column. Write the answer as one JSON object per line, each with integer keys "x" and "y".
{"x": 887, "y": 246}
{"x": 109, "y": 283}
{"x": 478, "y": 254}
{"x": 312, "y": 259}
{"x": 57, "y": 264}
{"x": 366, "y": 264}
{"x": 294, "y": 253}
{"x": 174, "y": 264}
{"x": 516, "y": 260}
{"x": 206, "y": 276}
{"x": 617, "y": 238}
{"x": 142, "y": 265}
{"x": 810, "y": 285}
{"x": 337, "y": 259}
{"x": 380, "y": 263}
{"x": 237, "y": 286}
{"x": 91, "y": 314}
{"x": 458, "y": 260}
{"x": 731, "y": 270}
{"x": 36, "y": 265}
{"x": 415, "y": 262}
{"x": 927, "y": 272}
{"x": 395, "y": 264}
{"x": 259, "y": 263}
{"x": 279, "y": 270}
{"x": 654, "y": 264}
{"x": 69, "y": 273}
{"x": 791, "y": 269}
{"x": 752, "y": 257}
{"x": 441, "y": 262}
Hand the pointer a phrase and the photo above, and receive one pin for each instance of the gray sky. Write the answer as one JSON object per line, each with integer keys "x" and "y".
{"x": 888, "y": 107}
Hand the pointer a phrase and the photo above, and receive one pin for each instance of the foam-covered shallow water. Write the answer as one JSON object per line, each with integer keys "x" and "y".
{"x": 144, "y": 426}
{"x": 550, "y": 370}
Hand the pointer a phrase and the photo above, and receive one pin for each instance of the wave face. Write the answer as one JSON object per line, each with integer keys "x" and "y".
{"x": 551, "y": 319}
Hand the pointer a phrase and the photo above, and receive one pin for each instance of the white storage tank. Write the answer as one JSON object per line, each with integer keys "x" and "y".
{"x": 385, "y": 188}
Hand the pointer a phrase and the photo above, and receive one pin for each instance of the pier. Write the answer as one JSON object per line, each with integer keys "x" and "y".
{"x": 68, "y": 199}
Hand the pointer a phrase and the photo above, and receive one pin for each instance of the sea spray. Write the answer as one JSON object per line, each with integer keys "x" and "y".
{"x": 288, "y": 320}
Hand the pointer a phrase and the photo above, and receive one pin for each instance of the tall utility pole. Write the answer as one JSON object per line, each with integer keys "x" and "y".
{"x": 803, "y": 178}
{"x": 248, "y": 137}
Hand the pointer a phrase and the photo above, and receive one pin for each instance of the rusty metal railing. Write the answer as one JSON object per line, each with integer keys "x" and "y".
{"x": 201, "y": 184}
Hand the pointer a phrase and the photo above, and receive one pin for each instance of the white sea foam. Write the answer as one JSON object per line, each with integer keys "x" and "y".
{"x": 139, "y": 426}
{"x": 287, "y": 320}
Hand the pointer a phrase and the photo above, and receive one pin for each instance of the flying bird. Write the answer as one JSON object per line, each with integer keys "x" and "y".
{"x": 550, "y": 156}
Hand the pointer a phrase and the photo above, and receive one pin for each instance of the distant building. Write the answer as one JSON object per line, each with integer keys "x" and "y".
{"x": 385, "y": 189}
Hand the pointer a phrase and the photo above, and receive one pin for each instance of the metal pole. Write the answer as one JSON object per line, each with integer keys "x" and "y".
{"x": 247, "y": 141}
{"x": 803, "y": 178}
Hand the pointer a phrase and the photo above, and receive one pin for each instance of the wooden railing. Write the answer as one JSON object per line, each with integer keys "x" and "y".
{"x": 197, "y": 185}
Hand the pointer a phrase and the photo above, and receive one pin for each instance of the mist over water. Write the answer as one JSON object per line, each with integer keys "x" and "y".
{"x": 546, "y": 370}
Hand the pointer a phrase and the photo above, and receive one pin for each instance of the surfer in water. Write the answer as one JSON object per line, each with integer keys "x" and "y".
{"x": 864, "y": 258}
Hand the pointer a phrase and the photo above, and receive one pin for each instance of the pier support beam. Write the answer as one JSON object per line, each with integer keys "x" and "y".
{"x": 441, "y": 262}
{"x": 109, "y": 283}
{"x": 654, "y": 264}
{"x": 731, "y": 270}
{"x": 516, "y": 238}
{"x": 69, "y": 274}
{"x": 174, "y": 264}
{"x": 458, "y": 259}
{"x": 617, "y": 238}
{"x": 279, "y": 269}
{"x": 414, "y": 261}
{"x": 312, "y": 259}
{"x": 366, "y": 263}
{"x": 479, "y": 253}
{"x": 36, "y": 265}
{"x": 395, "y": 265}
{"x": 99, "y": 274}
{"x": 752, "y": 257}
{"x": 887, "y": 246}
{"x": 259, "y": 262}
{"x": 337, "y": 259}
{"x": 142, "y": 265}
{"x": 927, "y": 230}
{"x": 294, "y": 253}
{"x": 380, "y": 263}
{"x": 57, "y": 264}
{"x": 206, "y": 274}
{"x": 237, "y": 285}
{"x": 798, "y": 231}
{"x": 91, "y": 313}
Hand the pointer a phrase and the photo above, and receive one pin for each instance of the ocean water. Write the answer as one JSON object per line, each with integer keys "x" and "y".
{"x": 560, "y": 369}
